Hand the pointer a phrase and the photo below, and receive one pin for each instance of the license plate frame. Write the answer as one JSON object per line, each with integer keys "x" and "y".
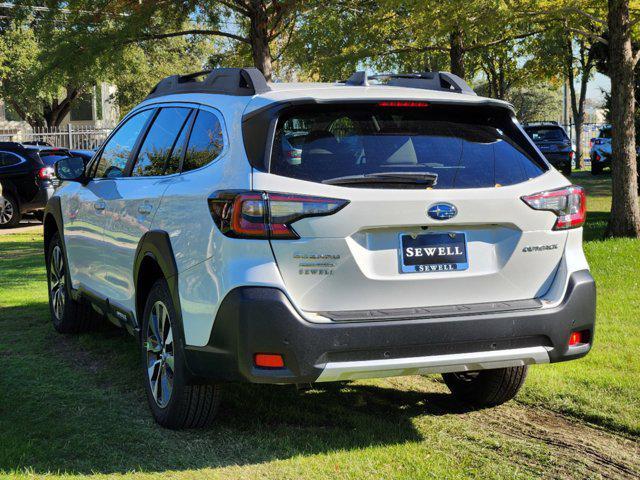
{"x": 452, "y": 260}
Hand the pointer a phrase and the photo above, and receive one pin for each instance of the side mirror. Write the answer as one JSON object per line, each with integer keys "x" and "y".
{"x": 70, "y": 169}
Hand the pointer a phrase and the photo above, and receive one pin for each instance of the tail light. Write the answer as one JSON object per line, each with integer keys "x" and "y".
{"x": 46, "y": 173}
{"x": 267, "y": 215}
{"x": 568, "y": 203}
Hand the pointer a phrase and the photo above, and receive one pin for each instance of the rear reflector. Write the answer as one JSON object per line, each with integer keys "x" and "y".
{"x": 266, "y": 215}
{"x": 578, "y": 338}
{"x": 268, "y": 360}
{"x": 568, "y": 203}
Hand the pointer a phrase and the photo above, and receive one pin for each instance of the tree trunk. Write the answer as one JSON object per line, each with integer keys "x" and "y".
{"x": 56, "y": 111}
{"x": 578, "y": 100}
{"x": 456, "y": 52}
{"x": 625, "y": 211}
{"x": 259, "y": 37}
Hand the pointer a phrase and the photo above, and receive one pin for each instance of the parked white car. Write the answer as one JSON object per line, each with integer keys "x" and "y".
{"x": 418, "y": 230}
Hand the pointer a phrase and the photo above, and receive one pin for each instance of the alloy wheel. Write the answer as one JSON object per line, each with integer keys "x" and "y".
{"x": 57, "y": 282}
{"x": 160, "y": 358}
{"x": 6, "y": 211}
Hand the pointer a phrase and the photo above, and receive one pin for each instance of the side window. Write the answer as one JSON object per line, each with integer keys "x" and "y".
{"x": 9, "y": 159}
{"x": 206, "y": 141}
{"x": 159, "y": 142}
{"x": 118, "y": 149}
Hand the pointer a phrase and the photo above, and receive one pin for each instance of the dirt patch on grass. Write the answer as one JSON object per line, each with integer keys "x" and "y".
{"x": 74, "y": 355}
{"x": 579, "y": 450}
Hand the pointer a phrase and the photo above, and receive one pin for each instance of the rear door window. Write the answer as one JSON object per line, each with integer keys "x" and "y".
{"x": 160, "y": 141}
{"x": 463, "y": 148}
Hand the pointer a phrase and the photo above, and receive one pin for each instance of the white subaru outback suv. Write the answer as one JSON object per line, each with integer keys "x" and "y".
{"x": 301, "y": 233}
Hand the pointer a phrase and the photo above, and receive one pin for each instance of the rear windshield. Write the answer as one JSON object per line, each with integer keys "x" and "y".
{"x": 546, "y": 134}
{"x": 463, "y": 147}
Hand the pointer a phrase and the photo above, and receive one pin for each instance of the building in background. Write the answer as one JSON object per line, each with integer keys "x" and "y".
{"x": 94, "y": 110}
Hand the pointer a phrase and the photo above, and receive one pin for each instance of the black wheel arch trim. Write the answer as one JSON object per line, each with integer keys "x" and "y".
{"x": 156, "y": 244}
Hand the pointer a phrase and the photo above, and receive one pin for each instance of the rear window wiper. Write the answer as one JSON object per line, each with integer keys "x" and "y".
{"x": 426, "y": 179}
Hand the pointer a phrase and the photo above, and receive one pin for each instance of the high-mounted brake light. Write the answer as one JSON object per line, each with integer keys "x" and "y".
{"x": 568, "y": 203}
{"x": 46, "y": 173}
{"x": 396, "y": 103}
{"x": 266, "y": 215}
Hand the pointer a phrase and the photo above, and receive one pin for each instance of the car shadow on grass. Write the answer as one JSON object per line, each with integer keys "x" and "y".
{"x": 75, "y": 404}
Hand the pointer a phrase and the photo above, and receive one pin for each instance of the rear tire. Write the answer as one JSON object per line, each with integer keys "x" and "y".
{"x": 595, "y": 169}
{"x": 486, "y": 388}
{"x": 9, "y": 212}
{"x": 68, "y": 315}
{"x": 173, "y": 402}
{"x": 566, "y": 171}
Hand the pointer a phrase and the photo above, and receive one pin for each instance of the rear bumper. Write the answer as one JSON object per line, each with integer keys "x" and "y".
{"x": 39, "y": 201}
{"x": 559, "y": 160}
{"x": 262, "y": 320}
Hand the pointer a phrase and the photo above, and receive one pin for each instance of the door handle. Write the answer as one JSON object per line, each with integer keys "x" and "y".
{"x": 145, "y": 208}
{"x": 99, "y": 205}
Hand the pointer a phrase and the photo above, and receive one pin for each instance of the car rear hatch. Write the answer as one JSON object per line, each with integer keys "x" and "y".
{"x": 422, "y": 210}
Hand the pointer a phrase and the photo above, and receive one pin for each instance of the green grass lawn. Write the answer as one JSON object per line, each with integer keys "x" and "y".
{"x": 74, "y": 406}
{"x": 603, "y": 387}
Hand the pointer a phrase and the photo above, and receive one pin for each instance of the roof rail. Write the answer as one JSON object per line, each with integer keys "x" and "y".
{"x": 442, "y": 81}
{"x": 225, "y": 81}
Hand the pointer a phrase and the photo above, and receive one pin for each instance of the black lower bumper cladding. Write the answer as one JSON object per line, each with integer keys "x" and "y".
{"x": 262, "y": 320}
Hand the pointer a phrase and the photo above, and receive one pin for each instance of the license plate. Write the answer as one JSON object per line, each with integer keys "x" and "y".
{"x": 433, "y": 252}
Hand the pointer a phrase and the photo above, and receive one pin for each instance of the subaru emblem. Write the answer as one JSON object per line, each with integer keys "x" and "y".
{"x": 442, "y": 211}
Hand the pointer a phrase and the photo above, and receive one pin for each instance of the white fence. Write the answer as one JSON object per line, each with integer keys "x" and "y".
{"x": 72, "y": 137}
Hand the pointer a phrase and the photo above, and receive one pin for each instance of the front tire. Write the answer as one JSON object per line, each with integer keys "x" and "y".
{"x": 9, "y": 212}
{"x": 68, "y": 315}
{"x": 486, "y": 388}
{"x": 174, "y": 403}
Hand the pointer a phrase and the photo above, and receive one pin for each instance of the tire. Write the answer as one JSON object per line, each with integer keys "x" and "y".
{"x": 67, "y": 314}
{"x": 10, "y": 215}
{"x": 566, "y": 171}
{"x": 595, "y": 168}
{"x": 486, "y": 388}
{"x": 174, "y": 403}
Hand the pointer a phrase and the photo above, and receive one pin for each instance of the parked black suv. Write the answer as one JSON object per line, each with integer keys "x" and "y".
{"x": 26, "y": 180}
{"x": 553, "y": 142}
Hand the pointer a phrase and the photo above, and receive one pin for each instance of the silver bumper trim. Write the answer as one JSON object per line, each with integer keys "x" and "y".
{"x": 458, "y": 362}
